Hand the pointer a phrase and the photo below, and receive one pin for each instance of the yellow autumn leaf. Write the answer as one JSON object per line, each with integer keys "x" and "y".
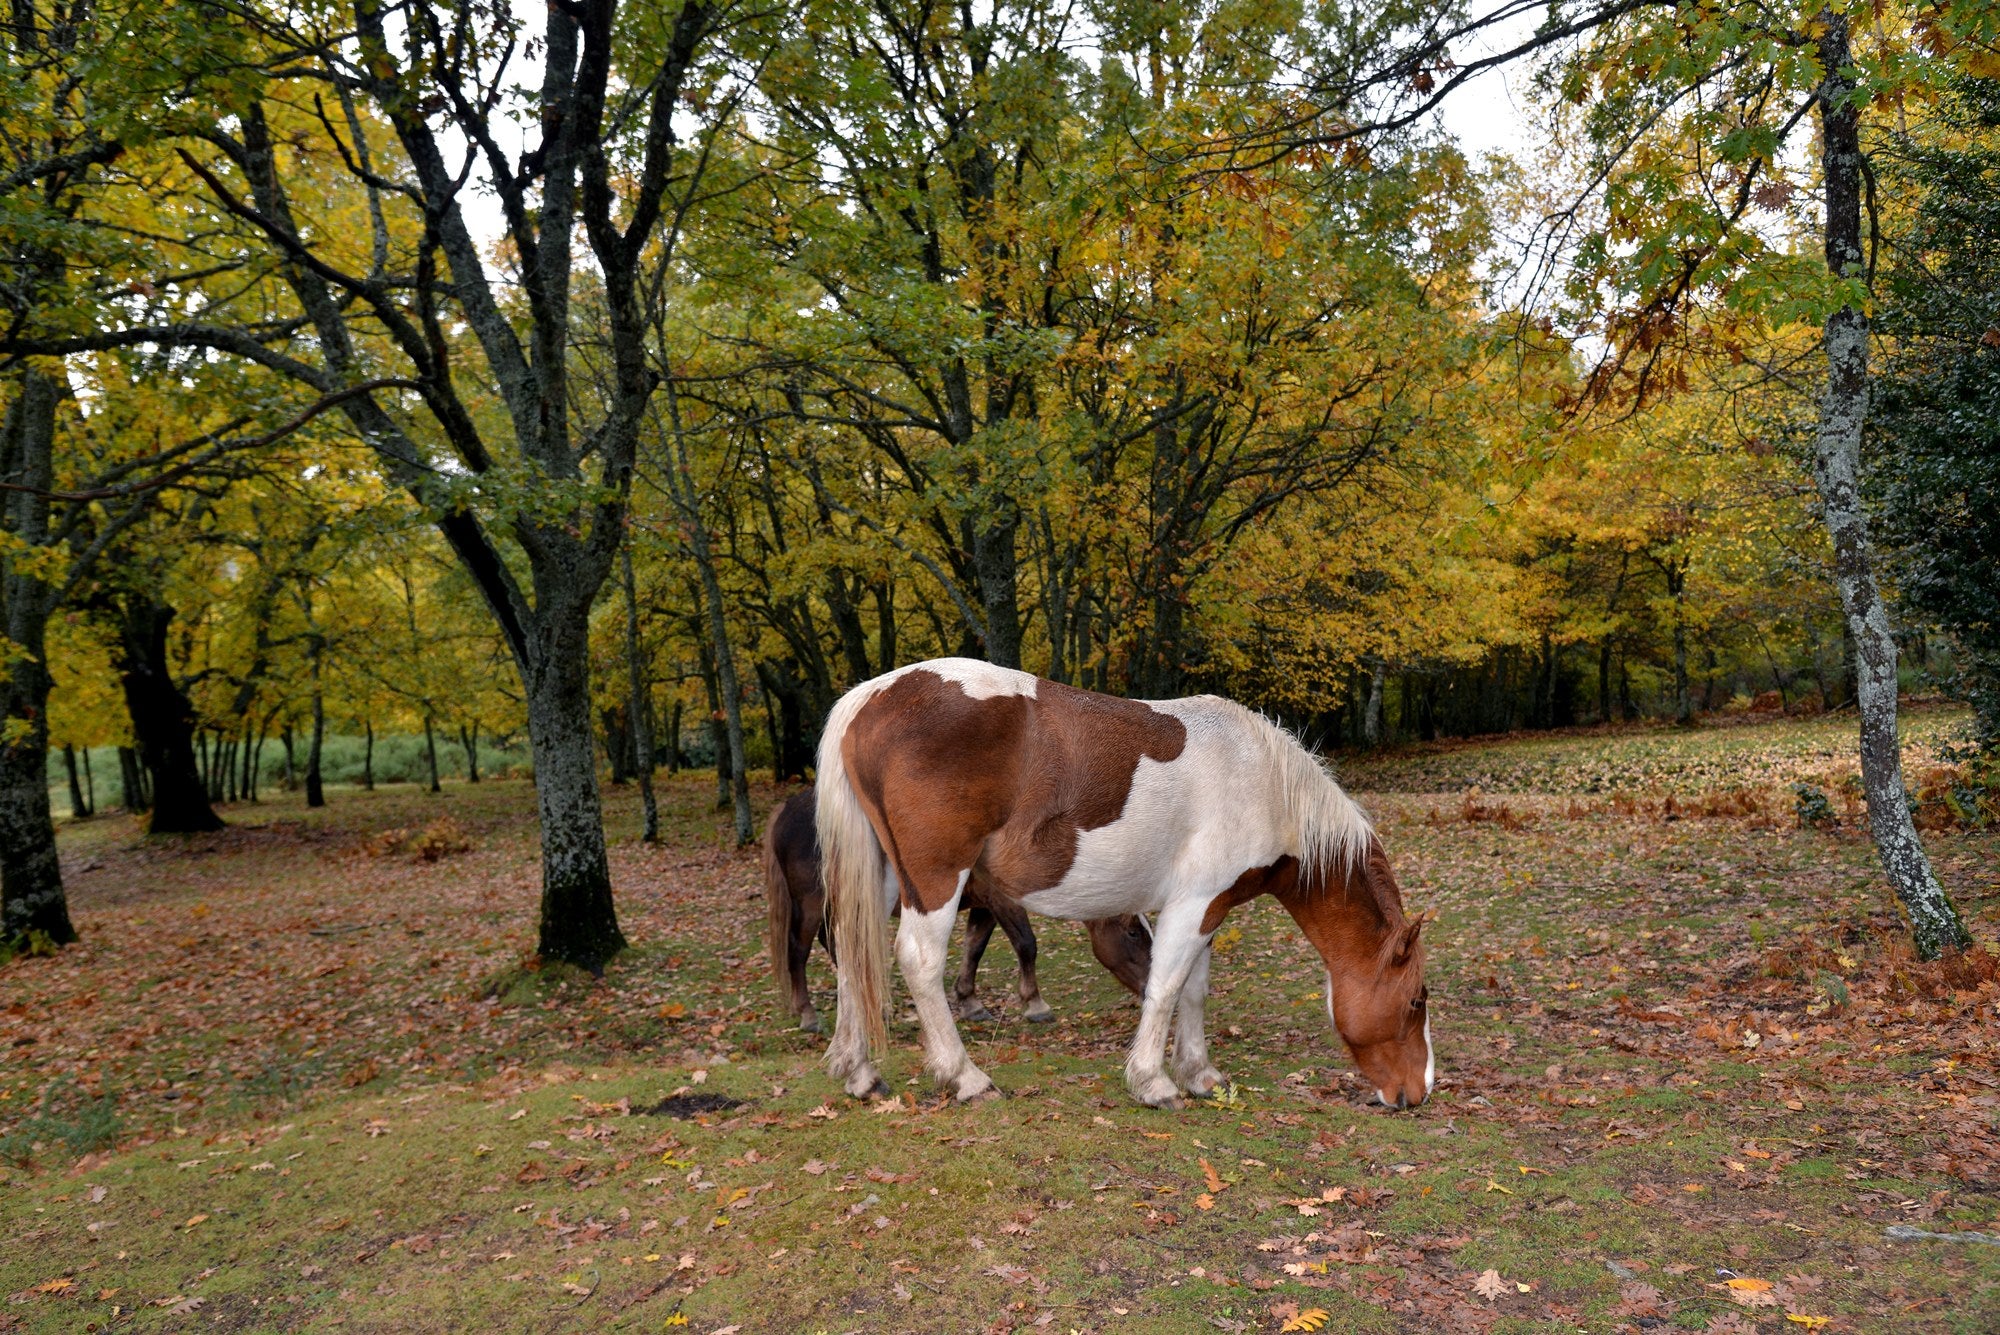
{"x": 1809, "y": 1322}
{"x": 1313, "y": 1318}
{"x": 193, "y": 1221}
{"x": 1746, "y": 1285}
{"x": 1204, "y": 1202}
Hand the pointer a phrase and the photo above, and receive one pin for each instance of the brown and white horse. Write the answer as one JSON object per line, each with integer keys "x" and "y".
{"x": 796, "y": 898}
{"x": 954, "y": 772}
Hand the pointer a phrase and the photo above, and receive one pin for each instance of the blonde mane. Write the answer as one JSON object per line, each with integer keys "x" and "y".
{"x": 1333, "y": 831}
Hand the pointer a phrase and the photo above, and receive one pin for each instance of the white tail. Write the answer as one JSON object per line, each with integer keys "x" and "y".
{"x": 853, "y": 868}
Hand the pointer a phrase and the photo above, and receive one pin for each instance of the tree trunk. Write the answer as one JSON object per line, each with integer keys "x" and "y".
{"x": 31, "y": 886}
{"x": 885, "y": 626}
{"x": 291, "y": 757}
{"x": 641, "y": 708}
{"x": 1604, "y": 681}
{"x": 579, "y": 923}
{"x": 617, "y": 744}
{"x": 431, "y": 750}
{"x": 79, "y": 809}
{"x": 89, "y": 783}
{"x": 131, "y": 782}
{"x": 1371, "y": 714}
{"x": 162, "y": 722}
{"x": 674, "y": 740}
{"x": 726, "y": 682}
{"x": 718, "y": 730}
{"x": 1683, "y": 697}
{"x": 368, "y": 755}
{"x": 1934, "y": 921}
{"x": 997, "y": 562}
{"x": 315, "y": 784}
{"x": 468, "y": 738}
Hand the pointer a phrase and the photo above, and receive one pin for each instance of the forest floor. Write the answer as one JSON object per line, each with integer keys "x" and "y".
{"x": 298, "y": 1077}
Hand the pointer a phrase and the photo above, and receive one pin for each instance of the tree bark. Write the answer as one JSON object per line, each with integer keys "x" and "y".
{"x": 726, "y": 682}
{"x": 431, "y": 750}
{"x": 31, "y": 886}
{"x": 131, "y": 782}
{"x": 315, "y": 785}
{"x": 162, "y": 721}
{"x": 640, "y": 709}
{"x": 468, "y": 739}
{"x": 1371, "y": 716}
{"x": 368, "y": 755}
{"x": 1934, "y": 922}
{"x": 79, "y": 809}
{"x": 579, "y": 921}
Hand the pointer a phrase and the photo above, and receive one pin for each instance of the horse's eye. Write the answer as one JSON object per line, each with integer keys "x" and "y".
{"x": 1422, "y": 999}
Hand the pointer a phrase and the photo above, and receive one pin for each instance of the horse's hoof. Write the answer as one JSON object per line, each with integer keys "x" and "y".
{"x": 879, "y": 1090}
{"x": 1042, "y": 1016}
{"x": 990, "y": 1094}
{"x": 1170, "y": 1103}
{"x": 975, "y": 1014}
{"x": 809, "y": 1023}
{"x": 1205, "y": 1084}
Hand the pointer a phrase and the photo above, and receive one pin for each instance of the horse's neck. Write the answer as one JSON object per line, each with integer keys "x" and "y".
{"x": 1339, "y": 913}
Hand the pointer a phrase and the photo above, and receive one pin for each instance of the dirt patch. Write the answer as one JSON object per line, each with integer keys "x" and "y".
{"x": 685, "y": 1106}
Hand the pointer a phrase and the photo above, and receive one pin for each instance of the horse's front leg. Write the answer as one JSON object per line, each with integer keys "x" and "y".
{"x": 923, "y": 943}
{"x": 1020, "y": 932}
{"x": 1193, "y": 1071}
{"x": 1178, "y": 945}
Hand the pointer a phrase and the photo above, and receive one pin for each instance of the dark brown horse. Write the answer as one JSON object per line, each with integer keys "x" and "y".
{"x": 797, "y": 900}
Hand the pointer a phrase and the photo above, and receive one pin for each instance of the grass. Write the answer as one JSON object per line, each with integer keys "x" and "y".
{"x": 1674, "y": 1049}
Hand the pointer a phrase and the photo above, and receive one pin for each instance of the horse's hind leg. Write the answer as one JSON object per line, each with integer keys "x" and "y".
{"x": 1021, "y": 935}
{"x": 965, "y": 999}
{"x": 1193, "y": 1071}
{"x": 807, "y": 915}
{"x": 847, "y": 1055}
{"x": 923, "y": 943}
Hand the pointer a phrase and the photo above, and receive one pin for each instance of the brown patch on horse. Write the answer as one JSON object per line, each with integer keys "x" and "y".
{"x": 1004, "y": 784}
{"x": 1278, "y": 878}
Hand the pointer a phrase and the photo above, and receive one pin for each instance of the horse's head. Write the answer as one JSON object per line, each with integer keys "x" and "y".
{"x": 1374, "y": 957}
{"x": 1381, "y": 1009}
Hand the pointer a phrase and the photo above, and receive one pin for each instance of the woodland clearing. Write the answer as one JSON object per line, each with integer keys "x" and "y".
{"x": 296, "y": 1076}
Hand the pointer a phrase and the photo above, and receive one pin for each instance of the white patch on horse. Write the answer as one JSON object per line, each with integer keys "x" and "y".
{"x": 1430, "y": 1058}
{"x": 1190, "y": 825}
{"x": 981, "y": 680}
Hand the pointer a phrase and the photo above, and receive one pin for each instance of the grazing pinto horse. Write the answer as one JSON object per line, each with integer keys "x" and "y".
{"x": 797, "y": 900}
{"x": 954, "y": 773}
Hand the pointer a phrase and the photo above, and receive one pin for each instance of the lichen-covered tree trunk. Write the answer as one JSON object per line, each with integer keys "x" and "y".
{"x": 579, "y": 921}
{"x": 31, "y": 885}
{"x": 1934, "y": 921}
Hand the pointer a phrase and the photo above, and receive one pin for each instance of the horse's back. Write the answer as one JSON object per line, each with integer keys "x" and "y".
{"x": 791, "y": 843}
{"x": 1077, "y": 804}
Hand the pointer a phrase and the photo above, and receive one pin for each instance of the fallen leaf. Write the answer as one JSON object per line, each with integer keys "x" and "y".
{"x": 1809, "y": 1322}
{"x": 1489, "y": 1285}
{"x": 193, "y": 1221}
{"x": 63, "y": 1285}
{"x": 1215, "y": 1182}
{"x": 1313, "y": 1318}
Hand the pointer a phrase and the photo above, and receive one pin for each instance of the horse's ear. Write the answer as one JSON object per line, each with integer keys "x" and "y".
{"x": 1403, "y": 944}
